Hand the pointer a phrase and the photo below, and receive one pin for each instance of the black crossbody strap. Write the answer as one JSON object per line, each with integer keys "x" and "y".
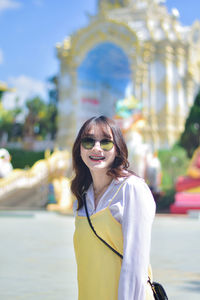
{"x": 90, "y": 223}
{"x": 157, "y": 289}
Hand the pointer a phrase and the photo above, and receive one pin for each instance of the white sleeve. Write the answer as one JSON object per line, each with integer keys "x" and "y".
{"x": 75, "y": 205}
{"x": 139, "y": 212}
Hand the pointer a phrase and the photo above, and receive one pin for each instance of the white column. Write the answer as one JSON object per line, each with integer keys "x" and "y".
{"x": 181, "y": 90}
{"x": 67, "y": 122}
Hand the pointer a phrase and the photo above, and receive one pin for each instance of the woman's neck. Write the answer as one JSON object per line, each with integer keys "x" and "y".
{"x": 100, "y": 185}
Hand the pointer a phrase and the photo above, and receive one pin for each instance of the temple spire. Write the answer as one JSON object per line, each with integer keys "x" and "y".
{"x": 109, "y": 4}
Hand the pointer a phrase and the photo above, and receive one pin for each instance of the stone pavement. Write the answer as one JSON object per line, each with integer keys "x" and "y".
{"x": 37, "y": 259}
{"x": 175, "y": 256}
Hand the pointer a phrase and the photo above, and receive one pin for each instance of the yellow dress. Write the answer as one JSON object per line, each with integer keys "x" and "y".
{"x": 98, "y": 267}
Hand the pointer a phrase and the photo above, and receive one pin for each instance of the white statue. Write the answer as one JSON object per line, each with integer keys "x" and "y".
{"x": 143, "y": 161}
{"x": 153, "y": 173}
{"x": 5, "y": 164}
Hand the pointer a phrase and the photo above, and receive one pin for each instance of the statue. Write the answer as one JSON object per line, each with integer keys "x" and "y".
{"x": 5, "y": 163}
{"x": 142, "y": 160}
{"x": 35, "y": 181}
{"x": 61, "y": 186}
{"x": 153, "y": 173}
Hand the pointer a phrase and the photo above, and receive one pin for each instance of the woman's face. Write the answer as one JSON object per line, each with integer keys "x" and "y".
{"x": 97, "y": 159}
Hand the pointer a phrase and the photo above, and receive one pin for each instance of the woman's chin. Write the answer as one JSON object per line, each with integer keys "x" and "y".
{"x": 98, "y": 167}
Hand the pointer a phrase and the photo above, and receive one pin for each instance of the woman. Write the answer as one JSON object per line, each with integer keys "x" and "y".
{"x": 121, "y": 209}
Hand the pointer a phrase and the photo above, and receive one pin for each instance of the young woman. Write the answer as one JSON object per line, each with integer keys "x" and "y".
{"x": 121, "y": 209}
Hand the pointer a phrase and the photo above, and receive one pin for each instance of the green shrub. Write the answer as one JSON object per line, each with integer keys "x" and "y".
{"x": 174, "y": 163}
{"x": 24, "y": 158}
{"x": 163, "y": 204}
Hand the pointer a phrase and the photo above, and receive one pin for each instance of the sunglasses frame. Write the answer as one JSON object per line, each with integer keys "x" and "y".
{"x": 93, "y": 142}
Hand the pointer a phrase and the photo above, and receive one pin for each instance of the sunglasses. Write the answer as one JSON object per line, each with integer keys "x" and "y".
{"x": 105, "y": 144}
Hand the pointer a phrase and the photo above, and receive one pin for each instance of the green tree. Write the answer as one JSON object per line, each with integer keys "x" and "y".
{"x": 36, "y": 112}
{"x": 8, "y": 122}
{"x": 190, "y": 138}
{"x": 53, "y": 89}
{"x": 53, "y": 103}
{"x": 40, "y": 120}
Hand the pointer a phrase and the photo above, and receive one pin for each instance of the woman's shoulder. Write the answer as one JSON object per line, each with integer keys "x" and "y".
{"x": 137, "y": 186}
{"x": 131, "y": 183}
{"x": 139, "y": 194}
{"x": 134, "y": 181}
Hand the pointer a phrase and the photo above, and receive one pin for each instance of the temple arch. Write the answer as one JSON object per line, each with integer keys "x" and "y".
{"x": 103, "y": 77}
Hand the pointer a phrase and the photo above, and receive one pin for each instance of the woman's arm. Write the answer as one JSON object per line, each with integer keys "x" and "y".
{"x": 139, "y": 212}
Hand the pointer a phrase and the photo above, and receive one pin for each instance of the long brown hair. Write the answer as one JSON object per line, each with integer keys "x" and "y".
{"x": 83, "y": 178}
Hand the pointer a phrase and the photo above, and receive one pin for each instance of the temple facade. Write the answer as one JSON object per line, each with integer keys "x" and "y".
{"x": 130, "y": 47}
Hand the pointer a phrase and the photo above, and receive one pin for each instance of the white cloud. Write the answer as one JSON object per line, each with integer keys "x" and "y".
{"x": 1, "y": 56}
{"x": 25, "y": 88}
{"x": 38, "y": 2}
{"x": 9, "y": 4}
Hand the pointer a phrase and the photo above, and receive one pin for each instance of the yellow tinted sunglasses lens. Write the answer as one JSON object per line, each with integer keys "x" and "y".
{"x": 106, "y": 145}
{"x": 88, "y": 144}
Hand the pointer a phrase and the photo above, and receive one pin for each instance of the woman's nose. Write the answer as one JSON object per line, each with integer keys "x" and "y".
{"x": 97, "y": 145}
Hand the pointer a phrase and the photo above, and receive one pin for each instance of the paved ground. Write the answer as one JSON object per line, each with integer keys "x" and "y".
{"x": 175, "y": 256}
{"x": 37, "y": 260}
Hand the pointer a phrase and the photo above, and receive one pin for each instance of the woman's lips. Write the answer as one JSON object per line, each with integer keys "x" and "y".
{"x": 96, "y": 158}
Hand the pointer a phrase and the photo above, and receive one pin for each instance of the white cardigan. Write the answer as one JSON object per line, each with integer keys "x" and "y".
{"x": 134, "y": 208}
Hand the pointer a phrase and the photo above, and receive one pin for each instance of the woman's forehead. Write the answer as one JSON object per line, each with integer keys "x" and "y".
{"x": 98, "y": 129}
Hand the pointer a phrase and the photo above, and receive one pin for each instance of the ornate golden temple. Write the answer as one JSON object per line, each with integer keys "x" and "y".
{"x": 130, "y": 47}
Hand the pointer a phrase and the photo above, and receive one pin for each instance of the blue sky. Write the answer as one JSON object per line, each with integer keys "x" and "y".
{"x": 30, "y": 29}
